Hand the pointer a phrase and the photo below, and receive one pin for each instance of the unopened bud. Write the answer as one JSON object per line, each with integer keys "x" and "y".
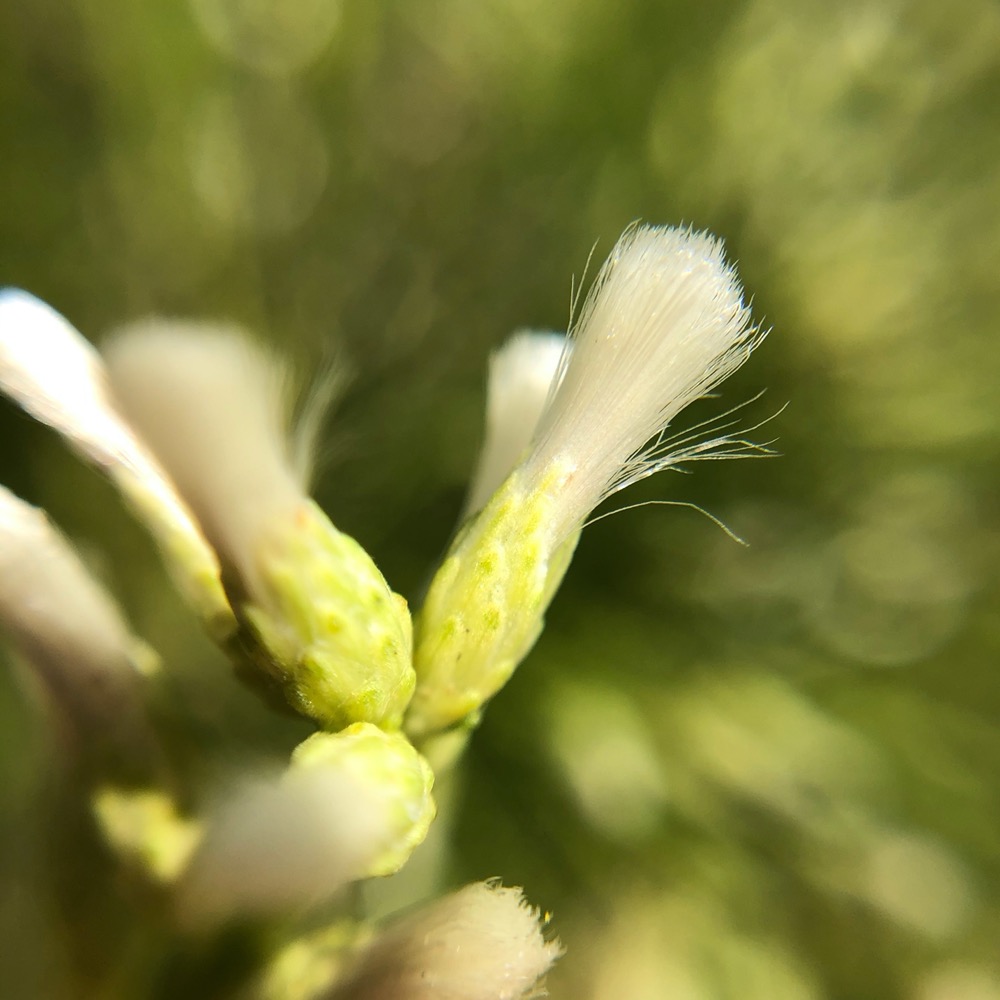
{"x": 664, "y": 323}
{"x": 391, "y": 771}
{"x": 145, "y": 829}
{"x": 351, "y": 805}
{"x": 213, "y": 409}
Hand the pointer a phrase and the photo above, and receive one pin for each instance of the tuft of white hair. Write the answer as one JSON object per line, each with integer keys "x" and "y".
{"x": 54, "y": 374}
{"x": 664, "y": 323}
{"x": 48, "y": 368}
{"x": 277, "y": 845}
{"x": 214, "y": 407}
{"x": 68, "y": 629}
{"x": 483, "y": 942}
{"x": 521, "y": 374}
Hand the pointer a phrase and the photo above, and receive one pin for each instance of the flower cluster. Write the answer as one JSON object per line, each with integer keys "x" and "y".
{"x": 193, "y": 424}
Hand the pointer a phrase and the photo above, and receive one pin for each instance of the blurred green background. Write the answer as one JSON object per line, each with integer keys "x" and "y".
{"x": 768, "y": 772}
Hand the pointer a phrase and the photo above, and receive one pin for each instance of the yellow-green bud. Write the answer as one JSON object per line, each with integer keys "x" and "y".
{"x": 192, "y": 564}
{"x": 486, "y": 603}
{"x": 339, "y": 637}
{"x": 663, "y": 324}
{"x": 325, "y": 625}
{"x": 144, "y": 827}
{"x": 306, "y": 966}
{"x": 388, "y": 767}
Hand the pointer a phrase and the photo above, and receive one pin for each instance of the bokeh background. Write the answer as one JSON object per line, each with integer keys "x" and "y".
{"x": 766, "y": 773}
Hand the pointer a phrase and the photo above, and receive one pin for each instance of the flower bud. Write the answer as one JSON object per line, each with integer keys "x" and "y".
{"x": 214, "y": 410}
{"x": 277, "y": 845}
{"x": 664, "y": 323}
{"x": 351, "y": 805}
{"x": 146, "y": 829}
{"x": 391, "y": 770}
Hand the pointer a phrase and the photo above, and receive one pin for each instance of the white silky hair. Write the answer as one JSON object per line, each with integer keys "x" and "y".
{"x": 664, "y": 323}
{"x": 483, "y": 942}
{"x": 48, "y": 367}
{"x": 53, "y": 372}
{"x": 520, "y": 378}
{"x": 277, "y": 845}
{"x": 215, "y": 408}
{"x": 65, "y": 624}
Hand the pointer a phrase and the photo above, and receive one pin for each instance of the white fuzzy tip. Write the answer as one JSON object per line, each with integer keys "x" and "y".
{"x": 48, "y": 367}
{"x": 664, "y": 323}
{"x": 65, "y": 625}
{"x": 282, "y": 844}
{"x": 520, "y": 378}
{"x": 483, "y": 942}
{"x": 54, "y": 374}
{"x": 214, "y": 409}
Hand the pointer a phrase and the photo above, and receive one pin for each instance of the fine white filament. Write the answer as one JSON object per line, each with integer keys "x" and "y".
{"x": 67, "y": 627}
{"x": 282, "y": 844}
{"x": 214, "y": 409}
{"x": 51, "y": 370}
{"x": 664, "y": 323}
{"x": 520, "y": 379}
{"x": 483, "y": 942}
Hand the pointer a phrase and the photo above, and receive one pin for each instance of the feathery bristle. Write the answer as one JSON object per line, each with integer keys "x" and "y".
{"x": 69, "y": 629}
{"x": 520, "y": 379}
{"x": 281, "y": 844}
{"x": 663, "y": 324}
{"x": 48, "y": 367}
{"x": 57, "y": 376}
{"x": 215, "y": 410}
{"x": 483, "y": 942}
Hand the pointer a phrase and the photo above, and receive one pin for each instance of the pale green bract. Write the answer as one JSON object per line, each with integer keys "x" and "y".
{"x": 338, "y": 639}
{"x": 387, "y": 764}
{"x": 485, "y": 607}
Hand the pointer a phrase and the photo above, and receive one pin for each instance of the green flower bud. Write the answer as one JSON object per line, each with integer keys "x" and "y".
{"x": 485, "y": 607}
{"x": 664, "y": 323}
{"x": 390, "y": 770}
{"x": 339, "y": 638}
{"x": 322, "y": 622}
{"x": 144, "y": 827}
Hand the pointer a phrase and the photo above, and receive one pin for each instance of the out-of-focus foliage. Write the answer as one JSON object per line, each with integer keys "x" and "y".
{"x": 768, "y": 772}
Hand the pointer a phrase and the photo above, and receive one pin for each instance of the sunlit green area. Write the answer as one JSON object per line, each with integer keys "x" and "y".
{"x": 768, "y": 772}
